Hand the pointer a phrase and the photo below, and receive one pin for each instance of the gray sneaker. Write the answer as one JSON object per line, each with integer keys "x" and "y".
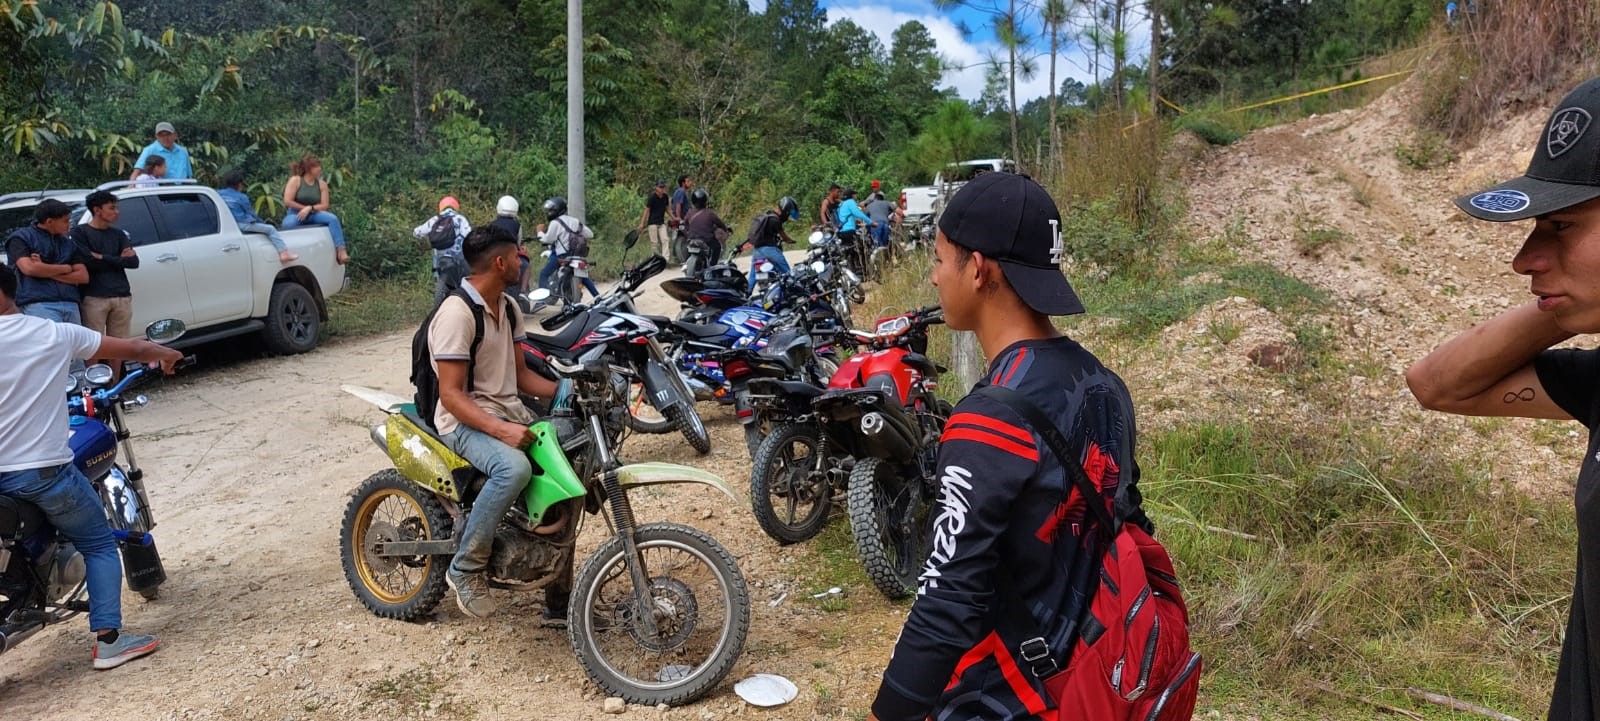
{"x": 472, "y": 593}
{"x": 127, "y": 647}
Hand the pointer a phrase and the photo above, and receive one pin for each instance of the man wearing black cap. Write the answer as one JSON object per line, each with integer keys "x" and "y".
{"x": 1013, "y": 558}
{"x": 1506, "y": 366}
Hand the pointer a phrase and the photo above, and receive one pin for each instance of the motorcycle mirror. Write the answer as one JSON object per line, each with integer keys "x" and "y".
{"x": 816, "y": 238}
{"x": 631, "y": 239}
{"x": 165, "y": 330}
{"x": 539, "y": 295}
{"x": 98, "y": 374}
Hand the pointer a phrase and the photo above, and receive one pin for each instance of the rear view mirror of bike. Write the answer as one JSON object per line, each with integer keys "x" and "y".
{"x": 98, "y": 374}
{"x": 540, "y": 295}
{"x": 630, "y": 240}
{"x": 165, "y": 331}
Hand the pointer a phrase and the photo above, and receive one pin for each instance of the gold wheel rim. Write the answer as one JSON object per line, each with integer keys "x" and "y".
{"x": 377, "y": 579}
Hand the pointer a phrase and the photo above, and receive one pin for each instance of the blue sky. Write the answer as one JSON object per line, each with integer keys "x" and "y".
{"x": 969, "y": 51}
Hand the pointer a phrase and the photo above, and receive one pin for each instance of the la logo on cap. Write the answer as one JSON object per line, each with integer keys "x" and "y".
{"x": 1567, "y": 126}
{"x": 1058, "y": 250}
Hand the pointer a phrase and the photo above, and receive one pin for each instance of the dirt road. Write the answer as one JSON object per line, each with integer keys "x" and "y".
{"x": 249, "y": 466}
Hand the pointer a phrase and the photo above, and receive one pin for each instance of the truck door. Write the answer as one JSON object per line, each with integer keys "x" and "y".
{"x": 159, "y": 288}
{"x": 216, "y": 267}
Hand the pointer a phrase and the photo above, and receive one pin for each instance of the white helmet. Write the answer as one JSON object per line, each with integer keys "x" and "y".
{"x": 507, "y": 206}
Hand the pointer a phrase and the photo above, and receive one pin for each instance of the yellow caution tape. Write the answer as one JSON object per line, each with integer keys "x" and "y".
{"x": 1284, "y": 99}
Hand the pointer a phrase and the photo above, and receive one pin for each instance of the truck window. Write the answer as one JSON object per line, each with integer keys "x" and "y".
{"x": 187, "y": 216}
{"x": 134, "y": 217}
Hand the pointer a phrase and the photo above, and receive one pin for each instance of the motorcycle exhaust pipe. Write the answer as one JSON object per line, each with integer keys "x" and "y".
{"x": 11, "y": 637}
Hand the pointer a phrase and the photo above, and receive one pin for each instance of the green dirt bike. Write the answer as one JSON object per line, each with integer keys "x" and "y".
{"x": 658, "y": 614}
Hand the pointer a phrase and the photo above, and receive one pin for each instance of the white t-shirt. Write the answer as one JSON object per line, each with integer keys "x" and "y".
{"x": 33, "y": 388}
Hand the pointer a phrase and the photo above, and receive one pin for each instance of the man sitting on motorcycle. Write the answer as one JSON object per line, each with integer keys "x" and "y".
{"x": 767, "y": 236}
{"x": 564, "y": 234}
{"x": 487, "y": 425}
{"x": 36, "y": 462}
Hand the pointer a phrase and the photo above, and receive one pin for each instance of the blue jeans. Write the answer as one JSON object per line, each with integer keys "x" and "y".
{"x": 550, "y": 269}
{"x": 75, "y": 510}
{"x": 772, "y": 253}
{"x": 60, "y": 311}
{"x": 322, "y": 217}
{"x": 880, "y": 235}
{"x": 267, "y": 230}
{"x": 509, "y": 470}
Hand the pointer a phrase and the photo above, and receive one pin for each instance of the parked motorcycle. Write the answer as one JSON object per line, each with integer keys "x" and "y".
{"x": 873, "y": 434}
{"x": 658, "y": 614}
{"x": 42, "y": 577}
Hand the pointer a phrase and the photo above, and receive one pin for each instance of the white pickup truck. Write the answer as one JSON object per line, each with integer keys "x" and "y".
{"x": 921, "y": 205}
{"x": 195, "y": 265}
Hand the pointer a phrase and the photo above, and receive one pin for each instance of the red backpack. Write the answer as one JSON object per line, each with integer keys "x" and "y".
{"x": 1131, "y": 658}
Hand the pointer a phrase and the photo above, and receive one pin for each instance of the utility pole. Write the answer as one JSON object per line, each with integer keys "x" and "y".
{"x": 1155, "y": 55}
{"x": 575, "y": 204}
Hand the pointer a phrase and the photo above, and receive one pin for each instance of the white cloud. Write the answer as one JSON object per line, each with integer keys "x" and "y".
{"x": 969, "y": 55}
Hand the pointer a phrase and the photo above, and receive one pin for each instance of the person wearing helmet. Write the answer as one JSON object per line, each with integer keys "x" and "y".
{"x": 655, "y": 218}
{"x": 565, "y": 235}
{"x": 505, "y": 219}
{"x": 449, "y": 267}
{"x": 767, "y": 236}
{"x": 704, "y": 225}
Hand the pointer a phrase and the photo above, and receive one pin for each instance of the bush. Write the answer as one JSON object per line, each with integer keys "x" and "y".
{"x": 1426, "y": 150}
{"x": 1210, "y": 130}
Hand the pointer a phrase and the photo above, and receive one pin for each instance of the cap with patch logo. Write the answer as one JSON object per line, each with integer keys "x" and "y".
{"x": 1565, "y": 170}
{"x": 1010, "y": 219}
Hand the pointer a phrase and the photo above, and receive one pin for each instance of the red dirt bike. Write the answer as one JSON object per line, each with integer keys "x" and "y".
{"x": 873, "y": 434}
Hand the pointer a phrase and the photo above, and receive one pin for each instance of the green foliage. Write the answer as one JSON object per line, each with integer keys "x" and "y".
{"x": 1210, "y": 129}
{"x": 1425, "y": 151}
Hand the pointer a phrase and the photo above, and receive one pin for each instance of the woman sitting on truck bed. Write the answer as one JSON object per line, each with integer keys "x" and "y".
{"x": 306, "y": 198}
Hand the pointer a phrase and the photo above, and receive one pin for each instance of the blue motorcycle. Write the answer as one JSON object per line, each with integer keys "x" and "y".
{"x": 42, "y": 577}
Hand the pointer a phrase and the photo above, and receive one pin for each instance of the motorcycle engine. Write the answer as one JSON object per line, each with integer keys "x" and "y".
{"x": 68, "y": 571}
{"x": 524, "y": 558}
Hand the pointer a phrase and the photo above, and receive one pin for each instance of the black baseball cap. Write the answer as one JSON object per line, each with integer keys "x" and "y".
{"x": 1009, "y": 218}
{"x": 1565, "y": 170}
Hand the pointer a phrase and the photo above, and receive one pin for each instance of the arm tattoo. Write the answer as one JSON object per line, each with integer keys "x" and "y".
{"x": 1525, "y": 395}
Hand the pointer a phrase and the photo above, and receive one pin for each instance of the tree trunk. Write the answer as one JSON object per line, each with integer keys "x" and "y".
{"x": 1119, "y": 48}
{"x": 418, "y": 132}
{"x": 1016, "y": 150}
{"x": 1055, "y": 147}
{"x": 1155, "y": 55}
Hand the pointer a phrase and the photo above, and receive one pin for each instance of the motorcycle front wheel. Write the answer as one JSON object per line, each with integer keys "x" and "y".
{"x": 643, "y": 417}
{"x": 698, "y": 602}
{"x": 387, "y": 507}
{"x": 889, "y": 518}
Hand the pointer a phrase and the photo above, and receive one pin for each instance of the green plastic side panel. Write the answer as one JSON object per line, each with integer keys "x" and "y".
{"x": 656, "y": 473}
{"x": 422, "y": 458}
{"x": 558, "y": 483}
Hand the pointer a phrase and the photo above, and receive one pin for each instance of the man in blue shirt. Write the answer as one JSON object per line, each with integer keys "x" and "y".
{"x": 166, "y": 145}
{"x": 851, "y": 221}
{"x": 232, "y": 193}
{"x": 49, "y": 267}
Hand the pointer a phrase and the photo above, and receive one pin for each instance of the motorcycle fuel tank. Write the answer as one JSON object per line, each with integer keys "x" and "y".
{"x": 94, "y": 446}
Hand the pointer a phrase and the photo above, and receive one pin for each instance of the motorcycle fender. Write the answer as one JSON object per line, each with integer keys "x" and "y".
{"x": 554, "y": 482}
{"x": 659, "y": 473}
{"x": 742, "y": 409}
{"x": 424, "y": 460}
{"x": 659, "y": 386}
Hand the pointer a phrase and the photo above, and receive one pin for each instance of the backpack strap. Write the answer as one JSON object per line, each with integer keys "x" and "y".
{"x": 1036, "y": 650}
{"x": 477, "y": 333}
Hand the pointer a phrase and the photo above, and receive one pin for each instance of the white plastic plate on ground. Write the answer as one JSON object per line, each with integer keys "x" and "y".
{"x": 765, "y": 689}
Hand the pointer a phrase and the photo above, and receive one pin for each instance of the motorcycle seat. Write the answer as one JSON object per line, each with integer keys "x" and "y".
{"x": 561, "y": 342}
{"x": 700, "y": 330}
{"x": 18, "y": 518}
{"x": 804, "y": 391}
{"x": 923, "y": 364}
{"x": 409, "y": 410}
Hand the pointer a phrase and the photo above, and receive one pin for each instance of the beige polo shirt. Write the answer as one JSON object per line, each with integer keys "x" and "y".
{"x": 494, "y": 377}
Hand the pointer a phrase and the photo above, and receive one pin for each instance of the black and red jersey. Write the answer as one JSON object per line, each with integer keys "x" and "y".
{"x": 1010, "y": 557}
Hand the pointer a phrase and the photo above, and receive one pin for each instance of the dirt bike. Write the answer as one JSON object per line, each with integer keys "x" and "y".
{"x": 657, "y": 614}
{"x": 42, "y": 577}
{"x": 872, "y": 435}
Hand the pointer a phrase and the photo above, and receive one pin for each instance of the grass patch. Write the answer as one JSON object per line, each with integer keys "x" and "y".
{"x": 1210, "y": 129}
{"x": 421, "y": 691}
{"x": 1381, "y": 564}
{"x": 376, "y": 307}
{"x": 833, "y": 562}
{"x": 1425, "y": 151}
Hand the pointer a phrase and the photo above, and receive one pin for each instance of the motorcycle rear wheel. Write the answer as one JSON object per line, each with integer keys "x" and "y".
{"x": 701, "y": 607}
{"x": 789, "y": 498}
{"x": 387, "y": 507}
{"x": 888, "y": 517}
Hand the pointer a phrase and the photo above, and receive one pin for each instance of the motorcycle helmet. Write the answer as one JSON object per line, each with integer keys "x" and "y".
{"x": 699, "y": 198}
{"x": 555, "y": 207}
{"x": 788, "y": 208}
{"x": 507, "y": 206}
{"x": 449, "y": 201}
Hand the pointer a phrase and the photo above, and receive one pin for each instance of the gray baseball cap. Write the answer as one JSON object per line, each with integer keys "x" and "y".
{"x": 1565, "y": 169}
{"x": 165, "y": 127}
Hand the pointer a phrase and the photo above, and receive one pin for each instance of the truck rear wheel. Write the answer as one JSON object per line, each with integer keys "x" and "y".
{"x": 293, "y": 320}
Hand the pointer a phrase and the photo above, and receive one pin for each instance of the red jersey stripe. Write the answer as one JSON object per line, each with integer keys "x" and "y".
{"x": 1015, "y": 362}
{"x": 983, "y": 650}
{"x": 993, "y": 424}
{"x": 990, "y": 439}
{"x": 1019, "y": 684}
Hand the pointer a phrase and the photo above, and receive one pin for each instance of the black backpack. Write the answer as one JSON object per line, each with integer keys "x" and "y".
{"x": 423, "y": 376}
{"x": 442, "y": 234}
